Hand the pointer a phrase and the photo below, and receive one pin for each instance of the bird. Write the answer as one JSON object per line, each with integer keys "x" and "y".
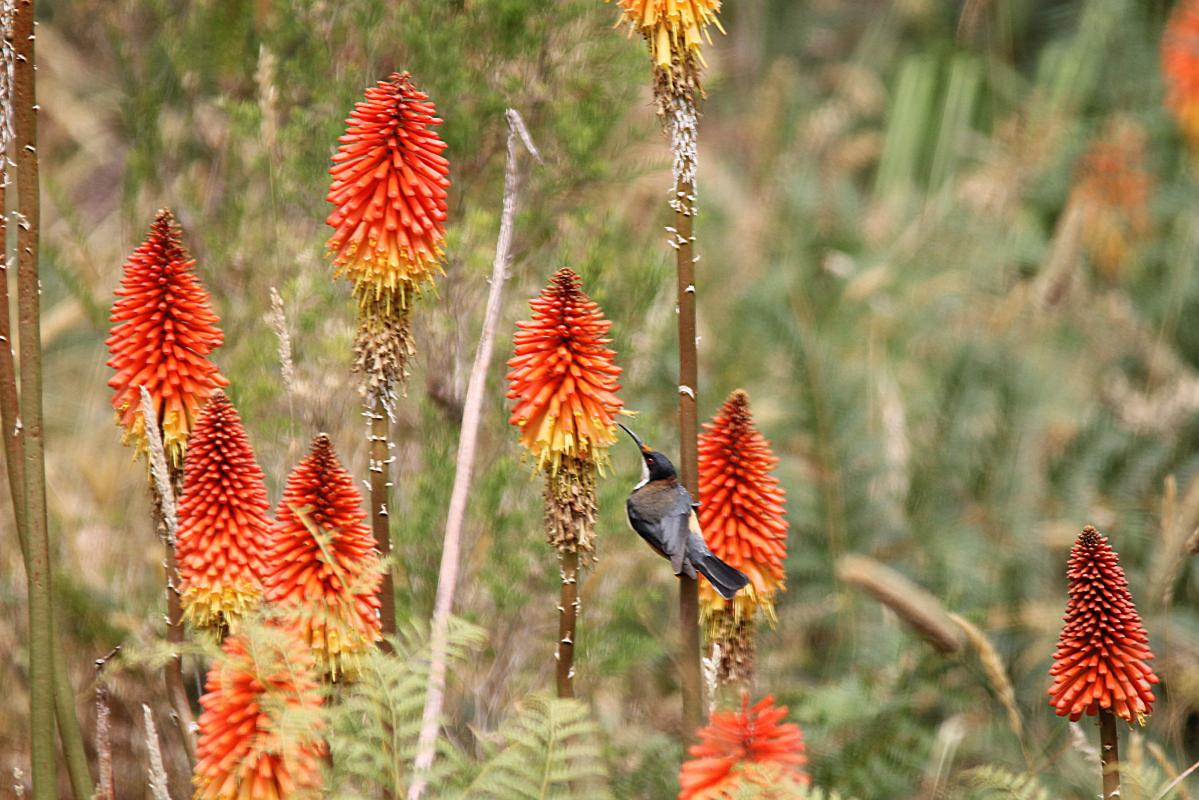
{"x": 661, "y": 511}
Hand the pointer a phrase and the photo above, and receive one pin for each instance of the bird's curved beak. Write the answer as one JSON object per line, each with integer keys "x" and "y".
{"x": 636, "y": 439}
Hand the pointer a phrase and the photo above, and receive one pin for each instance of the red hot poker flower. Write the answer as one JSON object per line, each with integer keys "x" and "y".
{"x": 1180, "y": 65}
{"x": 224, "y": 520}
{"x": 389, "y": 192}
{"x": 246, "y": 751}
{"x": 563, "y": 377}
{"x": 1100, "y": 658}
{"x": 741, "y": 505}
{"x": 164, "y": 330}
{"x": 736, "y": 740}
{"x": 322, "y": 565}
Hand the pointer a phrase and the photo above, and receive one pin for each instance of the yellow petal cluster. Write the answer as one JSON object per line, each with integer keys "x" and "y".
{"x": 673, "y": 28}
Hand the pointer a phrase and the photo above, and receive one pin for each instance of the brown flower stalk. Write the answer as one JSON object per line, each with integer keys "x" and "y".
{"x": 562, "y": 378}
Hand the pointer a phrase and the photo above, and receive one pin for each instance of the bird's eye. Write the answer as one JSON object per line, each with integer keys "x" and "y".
{"x": 649, "y": 459}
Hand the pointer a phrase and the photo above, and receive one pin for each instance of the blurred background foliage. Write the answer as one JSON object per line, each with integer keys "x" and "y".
{"x": 948, "y": 248}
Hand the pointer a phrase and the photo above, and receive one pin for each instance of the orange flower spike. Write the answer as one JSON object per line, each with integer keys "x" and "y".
{"x": 389, "y": 192}
{"x": 1100, "y": 657}
{"x": 241, "y": 753}
{"x": 224, "y": 520}
{"x": 733, "y": 740}
{"x": 672, "y": 27}
{"x": 742, "y": 505}
{"x": 563, "y": 377}
{"x": 164, "y": 330}
{"x": 1113, "y": 189}
{"x": 322, "y": 565}
{"x": 1180, "y": 66}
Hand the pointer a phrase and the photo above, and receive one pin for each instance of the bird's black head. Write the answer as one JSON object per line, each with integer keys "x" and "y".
{"x": 656, "y": 466}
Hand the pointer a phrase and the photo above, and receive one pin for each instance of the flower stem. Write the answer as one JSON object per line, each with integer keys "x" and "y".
{"x": 181, "y": 708}
{"x": 380, "y": 481}
{"x": 568, "y": 609}
{"x": 690, "y": 679}
{"x": 1109, "y": 754}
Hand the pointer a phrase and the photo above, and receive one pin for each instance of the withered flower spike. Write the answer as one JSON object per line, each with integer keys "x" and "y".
{"x": 563, "y": 377}
{"x": 1100, "y": 661}
{"x": 164, "y": 330}
{"x": 244, "y": 750}
{"x": 224, "y": 520}
{"x": 389, "y": 195}
{"x": 736, "y": 740}
{"x": 322, "y": 565}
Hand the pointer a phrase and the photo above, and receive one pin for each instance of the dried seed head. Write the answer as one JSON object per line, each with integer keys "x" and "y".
{"x": 383, "y": 349}
{"x": 570, "y": 507}
{"x": 1100, "y": 661}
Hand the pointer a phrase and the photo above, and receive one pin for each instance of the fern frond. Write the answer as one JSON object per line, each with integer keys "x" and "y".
{"x": 550, "y": 750}
{"x": 996, "y": 783}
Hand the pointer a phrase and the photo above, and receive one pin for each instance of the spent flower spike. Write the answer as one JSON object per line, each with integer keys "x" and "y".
{"x": 322, "y": 566}
{"x": 224, "y": 520}
{"x": 248, "y": 749}
{"x": 563, "y": 377}
{"x": 389, "y": 193}
{"x": 163, "y": 331}
{"x": 1100, "y": 661}
{"x": 739, "y": 749}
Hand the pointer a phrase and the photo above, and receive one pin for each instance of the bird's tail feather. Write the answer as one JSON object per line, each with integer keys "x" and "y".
{"x": 725, "y": 579}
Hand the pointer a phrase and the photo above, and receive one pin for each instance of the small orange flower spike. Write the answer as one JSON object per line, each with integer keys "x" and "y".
{"x": 322, "y": 565}
{"x": 1112, "y": 192}
{"x": 1100, "y": 658}
{"x": 224, "y": 520}
{"x": 563, "y": 377}
{"x": 741, "y": 507}
{"x": 164, "y": 330}
{"x": 674, "y": 29}
{"x": 389, "y": 193}
{"x": 734, "y": 744}
{"x": 243, "y": 752}
{"x": 1180, "y": 65}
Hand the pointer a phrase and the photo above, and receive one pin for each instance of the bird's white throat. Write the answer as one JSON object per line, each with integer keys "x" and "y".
{"x": 644, "y": 475}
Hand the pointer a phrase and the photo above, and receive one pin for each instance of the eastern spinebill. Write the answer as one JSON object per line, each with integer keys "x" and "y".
{"x": 661, "y": 511}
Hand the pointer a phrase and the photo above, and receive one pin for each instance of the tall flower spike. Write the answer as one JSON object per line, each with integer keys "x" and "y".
{"x": 261, "y": 705}
{"x": 562, "y": 378}
{"x": 749, "y": 747}
{"x": 224, "y": 520}
{"x": 389, "y": 192}
{"x": 322, "y": 566}
{"x": 164, "y": 330}
{"x": 1180, "y": 65}
{"x": 1100, "y": 658}
{"x": 742, "y": 516}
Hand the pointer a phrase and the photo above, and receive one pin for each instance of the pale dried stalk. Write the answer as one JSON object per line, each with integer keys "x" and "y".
{"x": 911, "y": 603}
{"x": 158, "y": 773}
{"x": 277, "y": 319}
{"x": 467, "y": 444}
{"x": 105, "y": 789}
{"x": 996, "y": 673}
{"x": 164, "y": 496}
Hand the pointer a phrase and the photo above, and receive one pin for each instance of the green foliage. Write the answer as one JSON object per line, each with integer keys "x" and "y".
{"x": 550, "y": 749}
{"x": 996, "y": 783}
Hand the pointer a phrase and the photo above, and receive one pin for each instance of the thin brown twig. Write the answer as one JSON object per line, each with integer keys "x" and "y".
{"x": 472, "y": 413}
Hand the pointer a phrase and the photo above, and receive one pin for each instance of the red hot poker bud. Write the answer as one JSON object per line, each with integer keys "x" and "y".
{"x": 563, "y": 376}
{"x": 164, "y": 330}
{"x": 245, "y": 750}
{"x": 224, "y": 520}
{"x": 322, "y": 565}
{"x": 389, "y": 192}
{"x": 735, "y": 741}
{"x": 1100, "y": 658}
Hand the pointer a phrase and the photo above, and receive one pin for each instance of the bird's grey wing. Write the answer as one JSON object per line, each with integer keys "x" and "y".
{"x": 676, "y": 528}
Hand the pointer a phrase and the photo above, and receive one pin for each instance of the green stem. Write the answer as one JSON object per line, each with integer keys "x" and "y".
{"x": 41, "y": 650}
